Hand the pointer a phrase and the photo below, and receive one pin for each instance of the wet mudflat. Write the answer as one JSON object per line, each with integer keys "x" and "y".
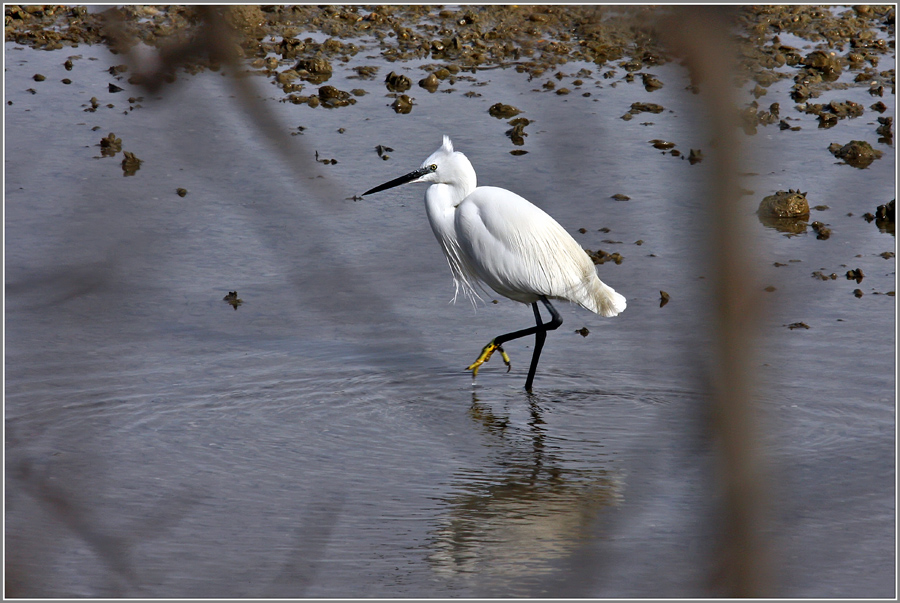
{"x": 314, "y": 433}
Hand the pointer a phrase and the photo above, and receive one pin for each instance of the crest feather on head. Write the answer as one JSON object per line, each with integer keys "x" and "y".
{"x": 447, "y": 146}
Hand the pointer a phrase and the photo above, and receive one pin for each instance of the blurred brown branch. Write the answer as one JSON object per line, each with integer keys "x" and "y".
{"x": 699, "y": 34}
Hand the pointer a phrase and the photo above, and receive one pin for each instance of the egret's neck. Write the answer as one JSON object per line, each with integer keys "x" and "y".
{"x": 441, "y": 201}
{"x": 443, "y": 195}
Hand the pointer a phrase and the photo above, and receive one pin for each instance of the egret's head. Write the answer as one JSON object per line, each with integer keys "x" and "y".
{"x": 444, "y": 166}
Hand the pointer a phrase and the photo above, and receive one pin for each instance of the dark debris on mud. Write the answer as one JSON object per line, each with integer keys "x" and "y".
{"x": 533, "y": 39}
{"x": 233, "y": 300}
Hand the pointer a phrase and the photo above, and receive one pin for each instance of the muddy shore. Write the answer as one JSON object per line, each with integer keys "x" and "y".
{"x": 620, "y": 40}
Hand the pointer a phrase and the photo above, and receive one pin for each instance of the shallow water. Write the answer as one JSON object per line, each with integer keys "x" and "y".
{"x": 323, "y": 440}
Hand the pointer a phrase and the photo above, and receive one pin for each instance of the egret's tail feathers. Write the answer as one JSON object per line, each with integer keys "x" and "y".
{"x": 606, "y": 302}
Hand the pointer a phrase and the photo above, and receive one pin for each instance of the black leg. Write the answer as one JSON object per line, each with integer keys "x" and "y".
{"x": 555, "y": 322}
{"x": 540, "y": 334}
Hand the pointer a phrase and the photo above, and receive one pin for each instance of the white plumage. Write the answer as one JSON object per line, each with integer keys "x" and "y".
{"x": 493, "y": 237}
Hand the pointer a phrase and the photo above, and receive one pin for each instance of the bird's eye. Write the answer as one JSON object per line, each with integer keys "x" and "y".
{"x": 433, "y": 167}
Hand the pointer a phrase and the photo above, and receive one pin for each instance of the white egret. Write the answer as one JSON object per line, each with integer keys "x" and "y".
{"x": 494, "y": 237}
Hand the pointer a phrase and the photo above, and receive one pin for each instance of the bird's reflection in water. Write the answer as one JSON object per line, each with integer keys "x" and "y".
{"x": 523, "y": 511}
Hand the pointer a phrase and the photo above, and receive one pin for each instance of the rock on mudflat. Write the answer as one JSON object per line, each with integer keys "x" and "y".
{"x": 110, "y": 145}
{"x": 430, "y": 82}
{"x": 131, "y": 164}
{"x": 826, "y": 63}
{"x": 397, "y": 82}
{"x": 822, "y": 231}
{"x": 501, "y": 111}
{"x": 402, "y": 104}
{"x": 857, "y": 153}
{"x": 785, "y": 204}
{"x": 315, "y": 70}
{"x": 785, "y": 211}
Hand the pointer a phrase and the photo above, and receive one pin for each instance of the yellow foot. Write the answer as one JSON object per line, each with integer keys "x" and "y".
{"x": 486, "y": 353}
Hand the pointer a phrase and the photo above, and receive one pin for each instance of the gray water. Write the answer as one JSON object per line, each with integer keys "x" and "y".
{"x": 323, "y": 439}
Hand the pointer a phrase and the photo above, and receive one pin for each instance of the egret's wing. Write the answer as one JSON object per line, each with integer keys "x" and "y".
{"x": 518, "y": 249}
{"x": 521, "y": 252}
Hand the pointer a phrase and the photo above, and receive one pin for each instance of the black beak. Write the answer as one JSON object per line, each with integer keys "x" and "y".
{"x": 398, "y": 181}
